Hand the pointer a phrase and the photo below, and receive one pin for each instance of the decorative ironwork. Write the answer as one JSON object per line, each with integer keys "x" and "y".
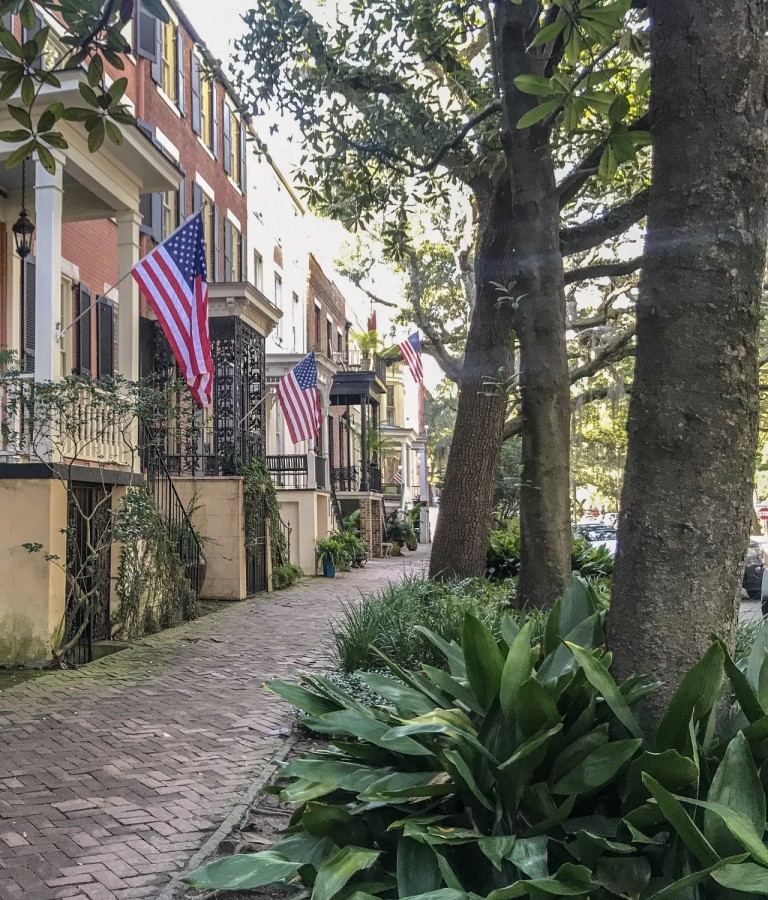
{"x": 169, "y": 503}
{"x": 89, "y": 519}
{"x": 220, "y": 440}
{"x": 374, "y": 478}
{"x": 345, "y": 478}
{"x": 290, "y": 471}
{"x": 256, "y": 555}
{"x": 321, "y": 464}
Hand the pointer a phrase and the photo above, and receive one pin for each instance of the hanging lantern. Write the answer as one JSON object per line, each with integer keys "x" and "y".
{"x": 23, "y": 229}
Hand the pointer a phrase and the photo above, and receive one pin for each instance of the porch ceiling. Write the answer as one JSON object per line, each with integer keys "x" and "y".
{"x": 351, "y": 387}
{"x": 96, "y": 185}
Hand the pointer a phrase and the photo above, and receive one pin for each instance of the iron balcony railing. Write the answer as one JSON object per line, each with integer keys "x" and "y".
{"x": 349, "y": 479}
{"x": 207, "y": 450}
{"x": 293, "y": 471}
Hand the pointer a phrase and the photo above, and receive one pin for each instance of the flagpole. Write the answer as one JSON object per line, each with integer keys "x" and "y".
{"x": 254, "y": 408}
{"x": 60, "y": 332}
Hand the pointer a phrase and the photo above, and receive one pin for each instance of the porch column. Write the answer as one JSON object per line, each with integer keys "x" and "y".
{"x": 426, "y": 537}
{"x": 312, "y": 465}
{"x": 48, "y": 203}
{"x": 404, "y": 475}
{"x": 327, "y": 448}
{"x": 364, "y": 480}
{"x": 128, "y": 222}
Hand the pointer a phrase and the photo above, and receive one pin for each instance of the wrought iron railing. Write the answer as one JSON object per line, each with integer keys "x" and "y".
{"x": 198, "y": 450}
{"x": 349, "y": 478}
{"x": 321, "y": 464}
{"x": 169, "y": 503}
{"x": 373, "y": 364}
{"x": 288, "y": 471}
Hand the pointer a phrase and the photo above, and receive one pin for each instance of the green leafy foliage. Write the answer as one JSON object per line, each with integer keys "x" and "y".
{"x": 522, "y": 771}
{"x": 390, "y": 621}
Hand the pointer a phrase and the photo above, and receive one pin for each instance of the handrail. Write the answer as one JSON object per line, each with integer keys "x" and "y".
{"x": 180, "y": 528}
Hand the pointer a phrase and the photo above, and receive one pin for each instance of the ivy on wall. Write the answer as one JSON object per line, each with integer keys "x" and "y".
{"x": 153, "y": 590}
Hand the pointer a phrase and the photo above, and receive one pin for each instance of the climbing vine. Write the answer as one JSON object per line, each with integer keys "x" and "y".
{"x": 260, "y": 504}
{"x": 153, "y": 590}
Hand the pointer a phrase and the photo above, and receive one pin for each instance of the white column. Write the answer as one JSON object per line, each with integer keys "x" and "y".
{"x": 128, "y": 222}
{"x": 327, "y": 450}
{"x": 312, "y": 465}
{"x": 403, "y": 474}
{"x": 48, "y": 204}
{"x": 426, "y": 536}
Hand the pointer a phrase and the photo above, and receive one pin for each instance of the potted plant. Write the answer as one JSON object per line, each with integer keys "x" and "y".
{"x": 367, "y": 343}
{"x": 330, "y": 553}
{"x": 399, "y": 532}
{"x": 350, "y": 536}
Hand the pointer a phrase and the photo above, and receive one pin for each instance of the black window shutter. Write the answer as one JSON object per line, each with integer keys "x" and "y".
{"x": 181, "y": 98}
{"x": 83, "y": 310}
{"x": 228, "y": 273}
{"x": 182, "y": 204}
{"x": 214, "y": 120}
{"x": 105, "y": 322}
{"x": 239, "y": 274}
{"x": 241, "y": 130}
{"x": 216, "y": 243}
{"x": 29, "y": 315}
{"x": 197, "y": 198}
{"x": 157, "y": 217}
{"x": 227, "y": 140}
{"x": 195, "y": 86}
{"x": 147, "y": 31}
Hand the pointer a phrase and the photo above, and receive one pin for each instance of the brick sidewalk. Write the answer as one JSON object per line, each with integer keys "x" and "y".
{"x": 113, "y": 775}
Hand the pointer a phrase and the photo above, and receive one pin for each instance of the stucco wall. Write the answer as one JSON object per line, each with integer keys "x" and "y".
{"x": 307, "y": 514}
{"x": 32, "y": 590}
{"x": 219, "y": 517}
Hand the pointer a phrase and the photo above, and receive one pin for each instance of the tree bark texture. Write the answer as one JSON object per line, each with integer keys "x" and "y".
{"x": 461, "y": 537}
{"x": 694, "y": 405}
{"x": 518, "y": 245}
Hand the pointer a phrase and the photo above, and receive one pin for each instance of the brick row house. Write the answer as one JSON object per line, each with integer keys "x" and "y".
{"x": 94, "y": 218}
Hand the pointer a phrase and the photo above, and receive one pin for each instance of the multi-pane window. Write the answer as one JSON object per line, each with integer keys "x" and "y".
{"x": 234, "y": 147}
{"x": 237, "y": 247}
{"x": 65, "y": 319}
{"x": 207, "y": 95}
{"x": 278, "y": 291}
{"x": 169, "y": 61}
{"x": 258, "y": 270}
{"x": 170, "y": 212}
{"x": 209, "y": 232}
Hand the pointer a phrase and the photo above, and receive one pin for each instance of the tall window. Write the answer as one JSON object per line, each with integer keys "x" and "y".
{"x": 258, "y": 270}
{"x": 234, "y": 148}
{"x": 209, "y": 216}
{"x": 207, "y": 95}
{"x": 170, "y": 212}
{"x": 169, "y": 61}
{"x": 65, "y": 318}
{"x": 237, "y": 252}
{"x": 278, "y": 291}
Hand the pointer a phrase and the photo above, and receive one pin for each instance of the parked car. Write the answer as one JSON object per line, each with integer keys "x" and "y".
{"x": 754, "y": 566}
{"x": 599, "y": 535}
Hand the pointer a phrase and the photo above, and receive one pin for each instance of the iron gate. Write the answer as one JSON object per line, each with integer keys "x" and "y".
{"x": 256, "y": 553}
{"x": 89, "y": 525}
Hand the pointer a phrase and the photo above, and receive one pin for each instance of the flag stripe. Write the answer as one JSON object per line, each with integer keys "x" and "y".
{"x": 174, "y": 279}
{"x": 300, "y": 400}
{"x": 411, "y": 353}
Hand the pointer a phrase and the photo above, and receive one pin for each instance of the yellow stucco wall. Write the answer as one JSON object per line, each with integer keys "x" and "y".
{"x": 219, "y": 517}
{"x": 32, "y": 590}
{"x": 307, "y": 514}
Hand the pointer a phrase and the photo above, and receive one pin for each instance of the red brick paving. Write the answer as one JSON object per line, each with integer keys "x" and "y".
{"x": 113, "y": 775}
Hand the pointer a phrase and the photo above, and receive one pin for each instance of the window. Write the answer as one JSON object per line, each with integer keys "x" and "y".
{"x": 206, "y": 110}
{"x": 279, "y": 303}
{"x": 317, "y": 326}
{"x": 65, "y": 320}
{"x": 232, "y": 145}
{"x": 339, "y": 341}
{"x": 170, "y": 213}
{"x": 390, "y": 405}
{"x": 209, "y": 232}
{"x": 169, "y": 61}
{"x": 329, "y": 337}
{"x": 258, "y": 270}
{"x": 233, "y": 243}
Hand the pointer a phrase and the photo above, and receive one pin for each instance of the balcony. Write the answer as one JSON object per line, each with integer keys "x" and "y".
{"x": 292, "y": 471}
{"x": 349, "y": 479}
{"x": 206, "y": 451}
{"x": 359, "y": 382}
{"x": 69, "y": 422}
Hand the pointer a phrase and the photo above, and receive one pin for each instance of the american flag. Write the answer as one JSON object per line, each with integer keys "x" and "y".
{"x": 397, "y": 478}
{"x": 300, "y": 400}
{"x": 174, "y": 279}
{"x": 411, "y": 351}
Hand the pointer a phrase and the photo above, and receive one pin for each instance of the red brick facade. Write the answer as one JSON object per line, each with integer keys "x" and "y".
{"x": 92, "y": 246}
{"x": 325, "y": 301}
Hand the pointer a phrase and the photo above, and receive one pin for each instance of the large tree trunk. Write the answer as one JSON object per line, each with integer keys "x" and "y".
{"x": 518, "y": 247}
{"x": 461, "y": 536}
{"x": 694, "y": 403}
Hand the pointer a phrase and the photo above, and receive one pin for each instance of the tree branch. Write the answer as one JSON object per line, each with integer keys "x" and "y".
{"x": 613, "y": 351}
{"x": 603, "y": 270}
{"x": 613, "y": 222}
{"x": 570, "y": 186}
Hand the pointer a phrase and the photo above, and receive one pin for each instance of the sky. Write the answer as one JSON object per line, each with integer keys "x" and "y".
{"x": 219, "y": 30}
